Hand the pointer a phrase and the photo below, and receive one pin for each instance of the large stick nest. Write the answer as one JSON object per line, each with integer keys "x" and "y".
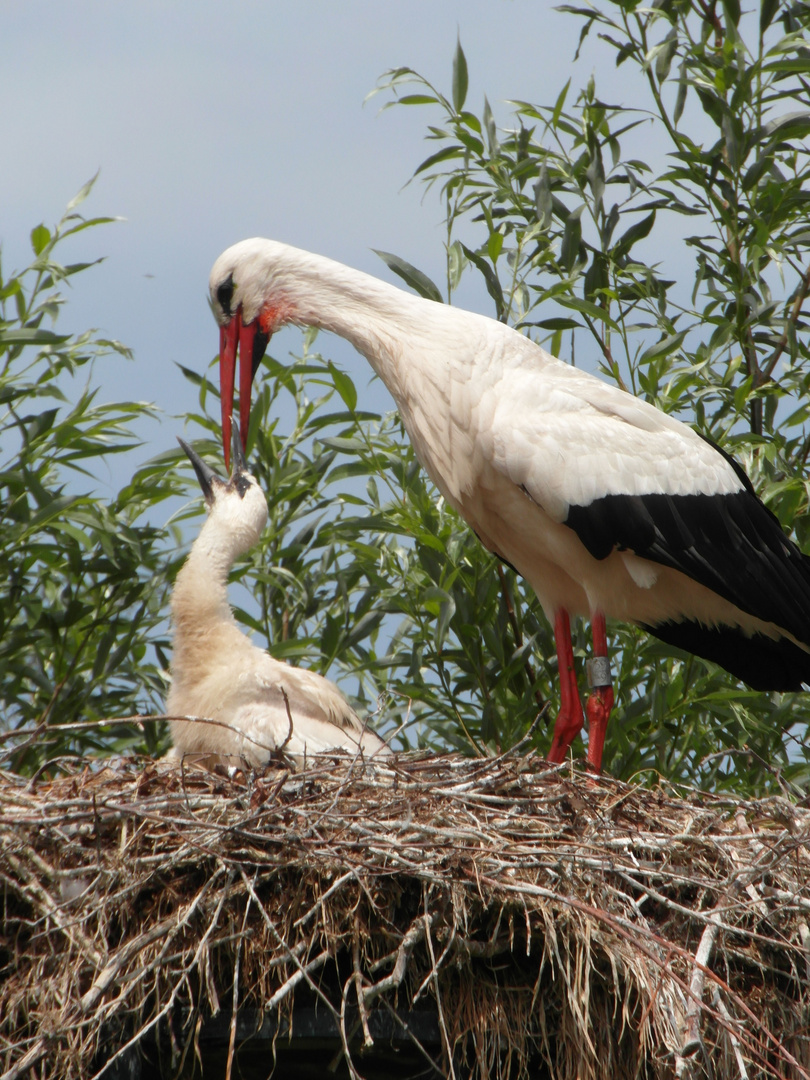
{"x": 547, "y": 923}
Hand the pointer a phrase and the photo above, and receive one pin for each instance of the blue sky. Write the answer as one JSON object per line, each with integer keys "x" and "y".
{"x": 210, "y": 123}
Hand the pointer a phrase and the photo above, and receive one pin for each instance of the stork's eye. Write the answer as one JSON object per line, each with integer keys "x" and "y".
{"x": 225, "y": 294}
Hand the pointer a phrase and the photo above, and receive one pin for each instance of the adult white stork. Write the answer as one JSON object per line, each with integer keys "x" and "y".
{"x": 606, "y": 505}
{"x": 258, "y": 705}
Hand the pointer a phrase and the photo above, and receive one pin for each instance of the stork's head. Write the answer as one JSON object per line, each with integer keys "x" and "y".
{"x": 250, "y": 301}
{"x": 237, "y": 507}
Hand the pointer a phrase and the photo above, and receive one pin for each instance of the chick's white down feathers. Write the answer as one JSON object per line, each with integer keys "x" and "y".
{"x": 248, "y": 704}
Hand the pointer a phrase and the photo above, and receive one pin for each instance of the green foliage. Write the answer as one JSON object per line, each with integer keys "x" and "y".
{"x": 561, "y": 223}
{"x": 81, "y": 577}
{"x": 364, "y": 573}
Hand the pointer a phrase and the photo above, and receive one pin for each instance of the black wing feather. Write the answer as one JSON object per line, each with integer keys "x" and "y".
{"x": 731, "y": 544}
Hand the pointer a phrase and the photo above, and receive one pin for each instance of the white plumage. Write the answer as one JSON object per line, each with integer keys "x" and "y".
{"x": 605, "y": 504}
{"x": 255, "y": 705}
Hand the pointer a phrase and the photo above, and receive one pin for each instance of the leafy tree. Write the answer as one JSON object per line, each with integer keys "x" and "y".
{"x": 561, "y": 223}
{"x": 81, "y": 578}
{"x": 364, "y": 573}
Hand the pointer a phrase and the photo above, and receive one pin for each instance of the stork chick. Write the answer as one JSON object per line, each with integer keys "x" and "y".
{"x": 254, "y": 705}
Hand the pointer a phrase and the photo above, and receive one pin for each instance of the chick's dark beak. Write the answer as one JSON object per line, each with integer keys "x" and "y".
{"x": 206, "y": 476}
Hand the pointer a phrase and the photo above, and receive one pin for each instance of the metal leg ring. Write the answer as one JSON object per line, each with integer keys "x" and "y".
{"x": 597, "y": 670}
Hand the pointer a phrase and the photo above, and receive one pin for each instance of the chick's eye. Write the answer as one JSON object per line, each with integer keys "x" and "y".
{"x": 225, "y": 294}
{"x": 242, "y": 485}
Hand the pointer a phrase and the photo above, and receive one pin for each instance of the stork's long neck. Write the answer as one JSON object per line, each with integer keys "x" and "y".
{"x": 375, "y": 317}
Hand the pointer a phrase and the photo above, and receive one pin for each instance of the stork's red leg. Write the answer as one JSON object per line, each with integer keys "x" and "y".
{"x": 570, "y": 718}
{"x": 601, "y": 700}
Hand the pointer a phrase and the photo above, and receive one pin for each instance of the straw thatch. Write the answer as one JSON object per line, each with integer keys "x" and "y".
{"x": 540, "y": 923}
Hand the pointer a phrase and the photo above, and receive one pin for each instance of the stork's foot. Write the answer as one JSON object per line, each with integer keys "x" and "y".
{"x": 568, "y": 726}
{"x": 600, "y": 702}
{"x": 570, "y": 718}
{"x": 599, "y": 707}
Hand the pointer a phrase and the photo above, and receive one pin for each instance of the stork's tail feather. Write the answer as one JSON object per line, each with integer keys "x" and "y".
{"x": 761, "y": 662}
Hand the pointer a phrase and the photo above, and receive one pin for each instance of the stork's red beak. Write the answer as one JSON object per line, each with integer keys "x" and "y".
{"x": 251, "y": 343}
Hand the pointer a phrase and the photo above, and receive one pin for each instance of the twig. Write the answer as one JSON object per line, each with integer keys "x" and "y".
{"x": 395, "y": 1015}
{"x": 802, "y": 290}
{"x": 720, "y": 1005}
{"x": 296, "y": 977}
{"x": 410, "y": 940}
{"x": 435, "y": 976}
{"x": 32, "y": 1057}
{"x": 289, "y": 717}
{"x": 303, "y": 970}
{"x": 358, "y": 985}
{"x": 626, "y": 932}
{"x": 691, "y": 1040}
{"x": 333, "y": 888}
{"x": 235, "y": 998}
